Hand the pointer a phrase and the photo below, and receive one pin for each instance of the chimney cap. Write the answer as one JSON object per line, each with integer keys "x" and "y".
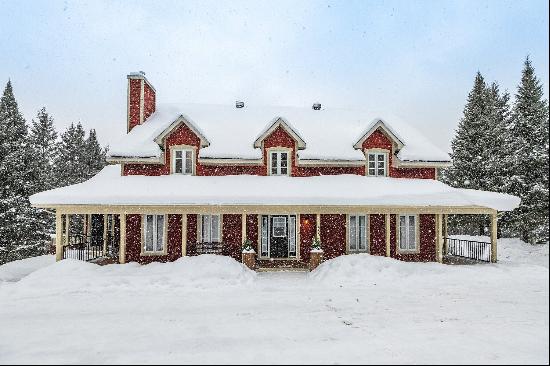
{"x": 316, "y": 106}
{"x": 239, "y": 104}
{"x": 137, "y": 74}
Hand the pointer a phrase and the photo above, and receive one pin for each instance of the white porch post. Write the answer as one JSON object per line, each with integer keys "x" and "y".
{"x": 58, "y": 235}
{"x": 318, "y": 226}
{"x": 104, "y": 234}
{"x": 494, "y": 237}
{"x": 243, "y": 227}
{"x": 445, "y": 234}
{"x": 439, "y": 237}
{"x": 122, "y": 250}
{"x": 183, "y": 235}
{"x": 388, "y": 235}
{"x": 67, "y": 228}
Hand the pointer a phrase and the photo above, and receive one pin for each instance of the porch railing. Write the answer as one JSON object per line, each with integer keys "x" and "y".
{"x": 83, "y": 247}
{"x": 476, "y": 250}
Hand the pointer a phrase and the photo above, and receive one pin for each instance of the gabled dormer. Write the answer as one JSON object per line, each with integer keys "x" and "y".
{"x": 279, "y": 143}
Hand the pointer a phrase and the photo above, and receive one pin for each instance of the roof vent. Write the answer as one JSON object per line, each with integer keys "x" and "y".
{"x": 316, "y": 106}
{"x": 239, "y": 104}
{"x": 142, "y": 72}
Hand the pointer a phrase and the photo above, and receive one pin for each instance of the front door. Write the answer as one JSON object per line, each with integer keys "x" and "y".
{"x": 278, "y": 237}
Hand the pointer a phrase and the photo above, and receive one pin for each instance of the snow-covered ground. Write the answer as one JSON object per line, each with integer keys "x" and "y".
{"x": 354, "y": 309}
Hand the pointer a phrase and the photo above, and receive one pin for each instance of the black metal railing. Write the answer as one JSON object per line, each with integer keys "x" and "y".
{"x": 83, "y": 247}
{"x": 476, "y": 250}
{"x": 209, "y": 248}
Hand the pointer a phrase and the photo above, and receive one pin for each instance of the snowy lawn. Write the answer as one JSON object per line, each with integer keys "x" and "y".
{"x": 357, "y": 309}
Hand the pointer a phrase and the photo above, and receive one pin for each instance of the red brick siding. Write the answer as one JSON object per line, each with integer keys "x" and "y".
{"x": 149, "y": 101}
{"x": 252, "y": 231}
{"x": 134, "y": 92}
{"x": 214, "y": 170}
{"x": 133, "y": 240}
{"x": 308, "y": 171}
{"x": 333, "y": 235}
{"x": 192, "y": 226}
{"x": 307, "y": 234}
{"x": 231, "y": 235}
{"x": 377, "y": 234}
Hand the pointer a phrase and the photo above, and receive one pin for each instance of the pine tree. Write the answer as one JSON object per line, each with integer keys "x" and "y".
{"x": 70, "y": 165}
{"x": 529, "y": 127}
{"x": 43, "y": 137}
{"x": 95, "y": 155}
{"x": 469, "y": 152}
{"x": 22, "y": 230}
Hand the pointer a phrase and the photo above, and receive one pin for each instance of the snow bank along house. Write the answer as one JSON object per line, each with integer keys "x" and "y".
{"x": 191, "y": 179}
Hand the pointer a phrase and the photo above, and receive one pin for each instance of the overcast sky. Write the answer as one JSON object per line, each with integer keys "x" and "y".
{"x": 416, "y": 59}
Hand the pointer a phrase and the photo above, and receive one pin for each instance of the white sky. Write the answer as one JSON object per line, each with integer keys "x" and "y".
{"x": 416, "y": 59}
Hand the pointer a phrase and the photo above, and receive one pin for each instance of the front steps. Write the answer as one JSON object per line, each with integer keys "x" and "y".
{"x": 281, "y": 266}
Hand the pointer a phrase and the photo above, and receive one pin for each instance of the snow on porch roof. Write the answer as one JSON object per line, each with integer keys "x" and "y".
{"x": 110, "y": 188}
{"x": 329, "y": 133}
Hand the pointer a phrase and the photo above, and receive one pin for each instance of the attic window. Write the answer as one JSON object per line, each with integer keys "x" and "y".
{"x": 377, "y": 164}
{"x": 182, "y": 161}
{"x": 278, "y": 162}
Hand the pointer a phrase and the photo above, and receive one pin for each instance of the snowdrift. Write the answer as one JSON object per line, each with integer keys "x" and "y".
{"x": 200, "y": 272}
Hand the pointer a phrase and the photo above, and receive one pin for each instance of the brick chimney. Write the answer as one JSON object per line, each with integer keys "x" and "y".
{"x": 141, "y": 99}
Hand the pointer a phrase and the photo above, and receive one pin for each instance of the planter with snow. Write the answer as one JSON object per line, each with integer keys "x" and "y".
{"x": 316, "y": 254}
{"x": 249, "y": 255}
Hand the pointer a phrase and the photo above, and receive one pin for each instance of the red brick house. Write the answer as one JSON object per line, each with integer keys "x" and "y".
{"x": 190, "y": 179}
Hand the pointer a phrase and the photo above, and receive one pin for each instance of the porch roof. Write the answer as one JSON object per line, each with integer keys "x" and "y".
{"x": 109, "y": 188}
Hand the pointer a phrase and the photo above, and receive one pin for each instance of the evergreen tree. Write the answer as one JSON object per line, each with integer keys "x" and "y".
{"x": 43, "y": 137}
{"x": 22, "y": 230}
{"x": 71, "y": 160}
{"x": 95, "y": 155}
{"x": 529, "y": 127}
{"x": 470, "y": 151}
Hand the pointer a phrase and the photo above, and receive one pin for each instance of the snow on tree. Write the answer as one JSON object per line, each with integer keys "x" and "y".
{"x": 95, "y": 155}
{"x": 43, "y": 137}
{"x": 22, "y": 229}
{"x": 529, "y": 132}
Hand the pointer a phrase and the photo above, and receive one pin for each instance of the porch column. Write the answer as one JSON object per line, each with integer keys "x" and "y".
{"x": 318, "y": 226}
{"x": 122, "y": 250}
{"x": 58, "y": 235}
{"x": 67, "y": 226}
{"x": 388, "y": 235}
{"x": 183, "y": 235}
{"x": 243, "y": 227}
{"x": 439, "y": 238}
{"x": 494, "y": 237}
{"x": 445, "y": 234}
{"x": 104, "y": 234}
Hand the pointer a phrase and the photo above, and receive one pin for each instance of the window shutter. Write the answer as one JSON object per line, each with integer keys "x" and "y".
{"x": 160, "y": 233}
{"x": 215, "y": 232}
{"x": 353, "y": 232}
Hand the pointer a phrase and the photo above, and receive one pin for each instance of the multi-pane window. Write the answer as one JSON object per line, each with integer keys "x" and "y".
{"x": 358, "y": 240}
{"x": 210, "y": 228}
{"x": 279, "y": 163}
{"x": 183, "y": 161}
{"x": 292, "y": 236}
{"x": 279, "y": 227}
{"x": 377, "y": 164}
{"x": 407, "y": 232}
{"x": 153, "y": 233}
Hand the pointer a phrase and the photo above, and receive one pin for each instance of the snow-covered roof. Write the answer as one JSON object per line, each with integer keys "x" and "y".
{"x": 329, "y": 134}
{"x": 110, "y": 188}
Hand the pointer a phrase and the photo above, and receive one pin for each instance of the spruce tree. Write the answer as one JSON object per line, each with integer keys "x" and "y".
{"x": 22, "y": 230}
{"x": 95, "y": 155}
{"x": 70, "y": 166}
{"x": 469, "y": 153}
{"x": 529, "y": 180}
{"x": 43, "y": 137}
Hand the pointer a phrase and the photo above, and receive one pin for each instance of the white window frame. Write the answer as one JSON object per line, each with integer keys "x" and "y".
{"x": 357, "y": 233}
{"x": 211, "y": 232}
{"x": 278, "y": 153}
{"x": 377, "y": 153}
{"x": 184, "y": 150}
{"x": 164, "y": 229}
{"x": 416, "y": 240}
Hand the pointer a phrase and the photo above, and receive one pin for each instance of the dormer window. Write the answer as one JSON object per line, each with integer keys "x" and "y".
{"x": 182, "y": 161}
{"x": 377, "y": 163}
{"x": 279, "y": 162}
